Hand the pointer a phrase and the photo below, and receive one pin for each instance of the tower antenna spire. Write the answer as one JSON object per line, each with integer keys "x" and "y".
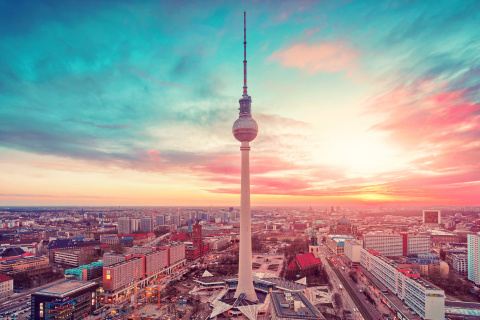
{"x": 245, "y": 53}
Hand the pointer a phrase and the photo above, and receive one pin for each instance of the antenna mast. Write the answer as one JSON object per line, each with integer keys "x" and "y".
{"x": 245, "y": 53}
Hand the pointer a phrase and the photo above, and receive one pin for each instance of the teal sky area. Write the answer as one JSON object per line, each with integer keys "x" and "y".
{"x": 132, "y": 103}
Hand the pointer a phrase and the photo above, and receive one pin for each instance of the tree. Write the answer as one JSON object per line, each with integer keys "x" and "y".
{"x": 118, "y": 248}
{"x": 442, "y": 254}
{"x": 353, "y": 275}
{"x": 337, "y": 300}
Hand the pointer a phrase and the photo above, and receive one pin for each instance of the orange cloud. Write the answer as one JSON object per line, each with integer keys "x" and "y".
{"x": 324, "y": 57}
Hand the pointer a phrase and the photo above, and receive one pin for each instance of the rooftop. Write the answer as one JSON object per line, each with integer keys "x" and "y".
{"x": 66, "y": 288}
{"x": 293, "y": 306}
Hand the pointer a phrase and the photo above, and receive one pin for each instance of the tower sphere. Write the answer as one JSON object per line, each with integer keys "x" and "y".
{"x": 245, "y": 128}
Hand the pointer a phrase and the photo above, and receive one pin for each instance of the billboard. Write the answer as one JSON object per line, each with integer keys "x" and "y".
{"x": 431, "y": 216}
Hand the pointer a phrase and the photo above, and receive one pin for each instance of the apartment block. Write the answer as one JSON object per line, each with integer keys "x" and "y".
{"x": 111, "y": 258}
{"x": 176, "y": 253}
{"x": 473, "y": 258}
{"x": 392, "y": 245}
{"x": 423, "y": 297}
{"x": 418, "y": 243}
{"x": 146, "y": 224}
{"x": 156, "y": 261}
{"x": 159, "y": 220}
{"x": 74, "y": 258}
{"x": 460, "y": 264}
{"x": 122, "y": 274}
{"x": 124, "y": 225}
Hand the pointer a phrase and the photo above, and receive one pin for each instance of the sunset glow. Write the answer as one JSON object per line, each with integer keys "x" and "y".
{"x": 126, "y": 103}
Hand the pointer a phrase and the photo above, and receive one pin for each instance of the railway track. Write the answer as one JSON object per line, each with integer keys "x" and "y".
{"x": 363, "y": 310}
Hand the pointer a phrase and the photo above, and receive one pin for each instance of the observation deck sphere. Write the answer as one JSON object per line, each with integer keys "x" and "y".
{"x": 245, "y": 128}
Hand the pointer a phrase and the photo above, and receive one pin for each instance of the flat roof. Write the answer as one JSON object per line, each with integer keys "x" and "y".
{"x": 294, "y": 306}
{"x": 66, "y": 288}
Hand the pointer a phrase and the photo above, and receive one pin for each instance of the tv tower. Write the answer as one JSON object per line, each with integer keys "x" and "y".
{"x": 245, "y": 129}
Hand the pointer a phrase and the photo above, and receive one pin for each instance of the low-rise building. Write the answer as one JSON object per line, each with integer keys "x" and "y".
{"x": 67, "y": 300}
{"x": 74, "y": 258}
{"x": 87, "y": 272}
{"x": 292, "y": 305}
{"x": 336, "y": 243}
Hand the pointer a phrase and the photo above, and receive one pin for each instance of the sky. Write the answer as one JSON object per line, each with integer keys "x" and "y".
{"x": 132, "y": 102}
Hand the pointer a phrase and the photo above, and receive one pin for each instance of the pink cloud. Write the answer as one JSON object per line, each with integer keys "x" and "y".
{"x": 324, "y": 57}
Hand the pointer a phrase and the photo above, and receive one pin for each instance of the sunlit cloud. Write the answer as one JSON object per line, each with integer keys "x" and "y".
{"x": 324, "y": 57}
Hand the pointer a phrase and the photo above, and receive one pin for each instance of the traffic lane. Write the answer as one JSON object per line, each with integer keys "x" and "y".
{"x": 14, "y": 307}
{"x": 361, "y": 297}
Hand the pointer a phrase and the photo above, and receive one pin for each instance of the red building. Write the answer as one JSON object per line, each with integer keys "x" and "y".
{"x": 199, "y": 248}
{"x": 303, "y": 264}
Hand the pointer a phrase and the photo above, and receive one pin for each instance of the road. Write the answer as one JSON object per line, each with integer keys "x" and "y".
{"x": 366, "y": 309}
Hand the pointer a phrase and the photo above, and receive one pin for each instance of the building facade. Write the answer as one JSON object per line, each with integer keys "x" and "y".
{"x": 87, "y": 272}
{"x": 124, "y": 226}
{"x": 122, "y": 274}
{"x": 473, "y": 258}
{"x": 460, "y": 264}
{"x": 146, "y": 224}
{"x": 393, "y": 245}
{"x": 6, "y": 286}
{"x": 352, "y": 250}
{"x": 427, "y": 300}
{"x": 74, "y": 258}
{"x": 68, "y": 300}
{"x": 159, "y": 220}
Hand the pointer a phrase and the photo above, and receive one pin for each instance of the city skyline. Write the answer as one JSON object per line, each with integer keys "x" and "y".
{"x": 131, "y": 104}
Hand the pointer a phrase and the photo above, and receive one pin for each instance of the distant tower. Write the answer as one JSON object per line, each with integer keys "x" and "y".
{"x": 197, "y": 236}
{"x": 313, "y": 247}
{"x": 245, "y": 129}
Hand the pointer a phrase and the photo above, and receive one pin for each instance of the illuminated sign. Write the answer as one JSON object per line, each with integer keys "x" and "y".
{"x": 108, "y": 277}
{"x": 434, "y": 295}
{"x": 41, "y": 310}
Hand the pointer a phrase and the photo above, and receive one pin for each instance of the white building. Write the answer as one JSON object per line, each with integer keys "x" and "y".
{"x": 418, "y": 243}
{"x": 424, "y": 298}
{"x": 352, "y": 250}
{"x": 392, "y": 245}
{"x": 473, "y": 258}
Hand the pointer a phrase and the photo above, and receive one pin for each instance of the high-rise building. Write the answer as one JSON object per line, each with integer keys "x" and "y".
{"x": 245, "y": 130}
{"x": 175, "y": 219}
{"x": 159, "y": 220}
{"x": 146, "y": 224}
{"x": 134, "y": 225}
{"x": 473, "y": 258}
{"x": 124, "y": 225}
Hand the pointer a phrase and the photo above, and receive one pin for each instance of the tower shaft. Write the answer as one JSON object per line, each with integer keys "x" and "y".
{"x": 245, "y": 278}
